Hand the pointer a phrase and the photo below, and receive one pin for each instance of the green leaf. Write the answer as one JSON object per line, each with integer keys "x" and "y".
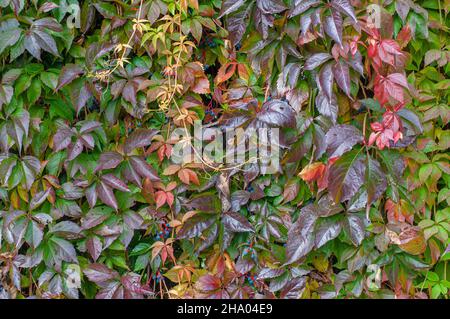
{"x": 34, "y": 91}
{"x": 10, "y": 36}
{"x": 49, "y": 79}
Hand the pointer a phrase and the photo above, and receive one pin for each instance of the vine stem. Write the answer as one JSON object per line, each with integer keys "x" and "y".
{"x": 124, "y": 52}
{"x": 188, "y": 135}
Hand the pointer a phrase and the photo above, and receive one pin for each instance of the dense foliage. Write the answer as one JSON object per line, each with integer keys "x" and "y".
{"x": 92, "y": 90}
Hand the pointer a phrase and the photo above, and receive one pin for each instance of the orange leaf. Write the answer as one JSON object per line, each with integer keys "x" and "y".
{"x": 201, "y": 85}
{"x": 161, "y": 153}
{"x": 161, "y": 198}
{"x": 225, "y": 72}
{"x": 194, "y": 4}
{"x": 171, "y": 186}
{"x": 399, "y": 212}
{"x": 171, "y": 169}
{"x": 243, "y": 72}
{"x": 193, "y": 177}
{"x": 312, "y": 172}
{"x": 183, "y": 175}
{"x": 169, "y": 198}
{"x": 157, "y": 247}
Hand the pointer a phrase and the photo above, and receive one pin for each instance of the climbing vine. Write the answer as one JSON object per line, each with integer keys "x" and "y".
{"x": 105, "y": 192}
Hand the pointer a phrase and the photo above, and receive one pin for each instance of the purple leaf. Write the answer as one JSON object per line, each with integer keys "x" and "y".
{"x": 376, "y": 180}
{"x": 195, "y": 225}
{"x": 131, "y": 175}
{"x": 402, "y": 7}
{"x": 143, "y": 168}
{"x": 355, "y": 229}
{"x": 139, "y": 138}
{"x": 326, "y": 207}
{"x": 277, "y": 113}
{"x": 341, "y": 138}
{"x": 210, "y": 235}
{"x": 236, "y": 25}
{"x": 45, "y": 42}
{"x": 62, "y": 139}
{"x": 99, "y": 273}
{"x": 114, "y": 182}
{"x": 66, "y": 229}
{"x": 229, "y": 6}
{"x": 91, "y": 195}
{"x": 316, "y": 60}
{"x": 238, "y": 199}
{"x": 345, "y": 7}
{"x": 94, "y": 247}
{"x": 342, "y": 76}
{"x": 269, "y": 273}
{"x": 133, "y": 219}
{"x": 294, "y": 288}
{"x": 129, "y": 92}
{"x": 38, "y": 199}
{"x": 300, "y": 6}
{"x": 236, "y": 222}
{"x": 95, "y": 217}
{"x": 32, "y": 45}
{"x": 34, "y": 234}
{"x": 346, "y": 176}
{"x": 65, "y": 250}
{"x": 68, "y": 73}
{"x": 298, "y": 245}
{"x": 106, "y": 195}
{"x": 87, "y": 140}
{"x": 271, "y": 6}
{"x": 89, "y": 126}
{"x": 279, "y": 283}
{"x": 300, "y": 236}
{"x": 109, "y": 160}
{"x": 48, "y": 6}
{"x": 327, "y": 230}
{"x": 117, "y": 87}
{"x": 80, "y": 97}
{"x": 326, "y": 107}
{"x": 355, "y": 61}
{"x": 74, "y": 149}
{"x": 333, "y": 26}
{"x": 49, "y": 23}
{"x": 326, "y": 80}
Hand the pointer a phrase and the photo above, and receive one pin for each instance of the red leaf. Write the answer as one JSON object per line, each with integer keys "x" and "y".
{"x": 208, "y": 283}
{"x": 390, "y": 87}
